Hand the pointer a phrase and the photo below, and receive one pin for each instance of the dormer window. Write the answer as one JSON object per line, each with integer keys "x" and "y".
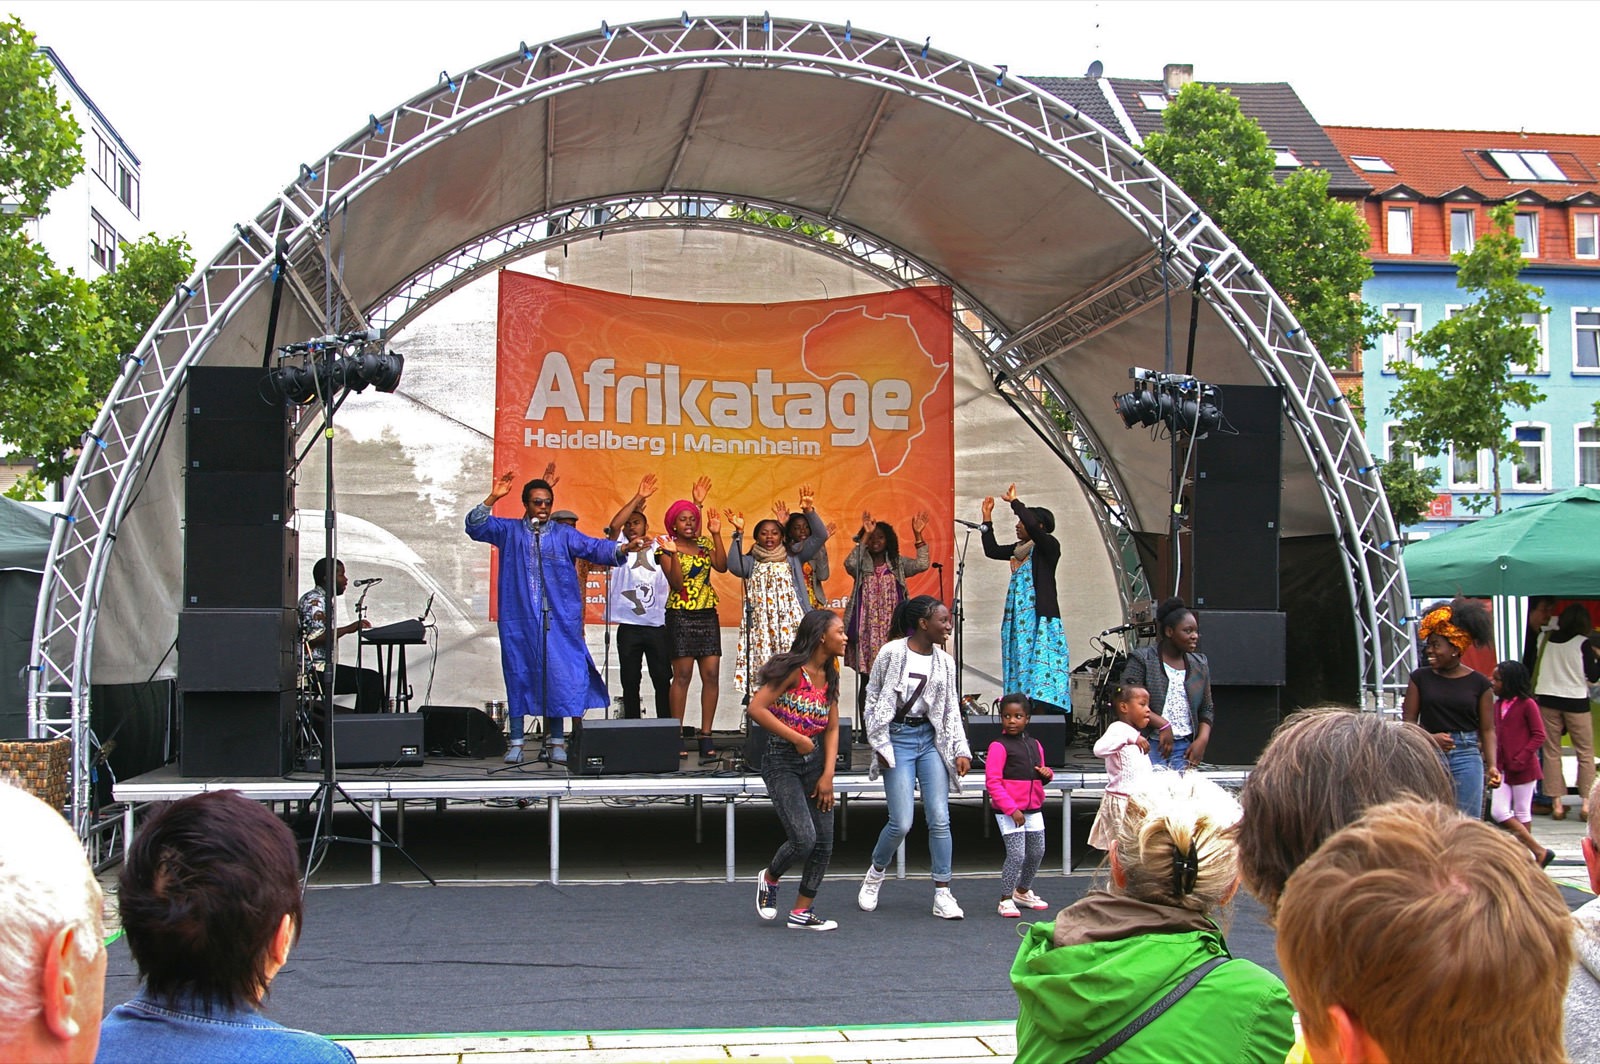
{"x": 1153, "y": 101}
{"x": 1528, "y": 165}
{"x": 1372, "y": 164}
{"x": 1285, "y": 159}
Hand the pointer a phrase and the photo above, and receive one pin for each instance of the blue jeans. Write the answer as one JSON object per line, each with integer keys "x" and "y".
{"x": 916, "y": 761}
{"x": 1465, "y": 765}
{"x": 1180, "y": 754}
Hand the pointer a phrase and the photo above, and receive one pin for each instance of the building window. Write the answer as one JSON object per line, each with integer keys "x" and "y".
{"x": 1585, "y": 340}
{"x": 1468, "y": 472}
{"x": 1372, "y": 164}
{"x": 1396, "y": 448}
{"x": 1397, "y": 345}
{"x": 1588, "y": 456}
{"x": 1285, "y": 159}
{"x": 1586, "y": 235}
{"x": 127, "y": 188}
{"x": 1461, "y": 223}
{"x": 102, "y": 242}
{"x": 1153, "y": 101}
{"x": 1528, "y": 165}
{"x": 1399, "y": 226}
{"x": 1531, "y": 467}
{"x": 1528, "y": 233}
{"x": 1540, "y": 327}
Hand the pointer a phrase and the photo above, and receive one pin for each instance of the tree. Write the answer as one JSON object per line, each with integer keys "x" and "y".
{"x": 1310, "y": 248}
{"x": 60, "y": 335}
{"x": 1460, "y": 388}
{"x": 1409, "y": 490}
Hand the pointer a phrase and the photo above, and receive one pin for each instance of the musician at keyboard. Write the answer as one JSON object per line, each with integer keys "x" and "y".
{"x": 365, "y": 684}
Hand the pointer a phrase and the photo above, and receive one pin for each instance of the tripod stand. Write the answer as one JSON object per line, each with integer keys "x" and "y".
{"x": 322, "y": 836}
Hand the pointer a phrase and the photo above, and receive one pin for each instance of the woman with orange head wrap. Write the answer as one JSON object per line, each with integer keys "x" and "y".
{"x": 1453, "y": 703}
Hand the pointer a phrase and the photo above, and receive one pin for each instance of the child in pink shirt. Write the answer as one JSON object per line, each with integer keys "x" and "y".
{"x": 1014, "y": 773}
{"x": 1127, "y": 762}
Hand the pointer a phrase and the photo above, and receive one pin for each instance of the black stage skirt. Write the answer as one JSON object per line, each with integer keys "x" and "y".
{"x": 694, "y": 633}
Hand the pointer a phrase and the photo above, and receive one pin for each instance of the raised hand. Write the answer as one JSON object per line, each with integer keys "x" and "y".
{"x": 647, "y": 486}
{"x": 919, "y": 521}
{"x": 780, "y": 510}
{"x": 550, "y": 477}
{"x": 867, "y": 523}
{"x": 808, "y": 498}
{"x": 701, "y": 489}
{"x": 501, "y": 487}
{"x": 988, "y": 508}
{"x": 1010, "y": 495}
{"x": 832, "y": 528}
{"x": 734, "y": 519}
{"x": 666, "y": 542}
{"x": 713, "y": 522}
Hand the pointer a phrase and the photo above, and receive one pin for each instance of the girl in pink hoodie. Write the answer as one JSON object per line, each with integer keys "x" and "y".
{"x": 1015, "y": 774}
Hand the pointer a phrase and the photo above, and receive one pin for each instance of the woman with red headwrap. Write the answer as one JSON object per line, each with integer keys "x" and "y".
{"x": 687, "y": 557}
{"x": 1453, "y": 703}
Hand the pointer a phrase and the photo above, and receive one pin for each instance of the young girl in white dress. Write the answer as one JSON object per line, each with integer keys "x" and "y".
{"x": 1126, "y": 754}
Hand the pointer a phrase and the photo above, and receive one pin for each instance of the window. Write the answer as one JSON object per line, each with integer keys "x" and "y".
{"x": 102, "y": 242}
{"x": 1397, "y": 345}
{"x": 1285, "y": 159}
{"x": 1461, "y": 223}
{"x": 1468, "y": 472}
{"x": 1153, "y": 101}
{"x": 1528, "y": 233}
{"x": 1585, "y": 340}
{"x": 1528, "y": 165}
{"x": 1586, "y": 235}
{"x": 1372, "y": 164}
{"x": 1540, "y": 328}
{"x": 1395, "y": 447}
{"x": 1531, "y": 467}
{"x": 1399, "y": 227}
{"x": 1589, "y": 456}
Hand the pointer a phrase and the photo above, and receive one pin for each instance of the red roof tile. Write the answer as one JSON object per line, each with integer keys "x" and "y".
{"x": 1439, "y": 161}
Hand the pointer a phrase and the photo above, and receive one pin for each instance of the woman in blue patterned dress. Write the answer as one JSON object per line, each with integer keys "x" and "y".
{"x": 1033, "y": 644}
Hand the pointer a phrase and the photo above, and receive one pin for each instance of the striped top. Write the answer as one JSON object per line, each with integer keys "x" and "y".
{"x": 803, "y": 707}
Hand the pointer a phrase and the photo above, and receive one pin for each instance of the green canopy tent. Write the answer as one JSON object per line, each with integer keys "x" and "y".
{"x": 24, "y": 543}
{"x": 1550, "y": 546}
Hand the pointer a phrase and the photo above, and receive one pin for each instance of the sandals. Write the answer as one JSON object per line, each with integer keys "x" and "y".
{"x": 707, "y": 751}
{"x": 1549, "y": 855}
{"x": 1558, "y": 810}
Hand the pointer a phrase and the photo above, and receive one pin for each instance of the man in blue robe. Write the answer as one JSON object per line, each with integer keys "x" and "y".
{"x": 548, "y": 669}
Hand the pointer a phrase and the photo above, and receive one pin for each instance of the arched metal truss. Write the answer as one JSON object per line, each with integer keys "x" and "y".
{"x": 303, "y": 221}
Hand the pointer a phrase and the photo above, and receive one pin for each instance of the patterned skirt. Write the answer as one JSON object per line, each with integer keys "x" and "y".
{"x": 773, "y": 613}
{"x": 694, "y": 633}
{"x": 1113, "y": 807}
{"x": 1033, "y": 649}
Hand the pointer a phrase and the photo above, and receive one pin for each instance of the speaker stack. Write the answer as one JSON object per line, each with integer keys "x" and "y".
{"x": 238, "y": 630}
{"x": 1236, "y": 502}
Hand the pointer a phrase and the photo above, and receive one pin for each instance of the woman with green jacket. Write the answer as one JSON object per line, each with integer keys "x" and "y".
{"x": 1112, "y": 956}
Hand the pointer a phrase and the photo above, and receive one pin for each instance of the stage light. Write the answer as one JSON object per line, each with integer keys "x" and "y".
{"x": 328, "y": 366}
{"x": 1183, "y": 403}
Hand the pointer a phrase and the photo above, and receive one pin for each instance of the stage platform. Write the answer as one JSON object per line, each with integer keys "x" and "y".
{"x": 726, "y": 781}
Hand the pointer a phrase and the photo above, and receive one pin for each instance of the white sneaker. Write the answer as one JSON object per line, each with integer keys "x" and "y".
{"x": 944, "y": 905}
{"x": 766, "y": 897}
{"x": 1027, "y": 899}
{"x": 514, "y": 754}
{"x": 806, "y": 920}
{"x": 867, "y": 898}
{"x": 1008, "y": 908}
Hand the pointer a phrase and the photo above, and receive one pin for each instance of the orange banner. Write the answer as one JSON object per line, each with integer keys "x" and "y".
{"x": 852, "y": 396}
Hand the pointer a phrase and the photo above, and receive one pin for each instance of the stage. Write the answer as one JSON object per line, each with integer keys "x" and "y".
{"x": 386, "y": 793}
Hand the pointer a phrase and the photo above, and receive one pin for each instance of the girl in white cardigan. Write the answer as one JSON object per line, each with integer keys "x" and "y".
{"x": 914, "y": 726}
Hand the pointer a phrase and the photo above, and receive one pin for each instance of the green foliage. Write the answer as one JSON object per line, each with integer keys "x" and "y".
{"x": 1409, "y": 490}
{"x": 1310, "y": 248}
{"x": 60, "y": 336}
{"x": 1460, "y": 390}
{"x": 785, "y": 222}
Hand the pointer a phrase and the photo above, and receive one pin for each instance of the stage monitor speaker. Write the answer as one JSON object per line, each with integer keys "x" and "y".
{"x": 237, "y": 650}
{"x": 1246, "y": 647}
{"x": 460, "y": 731}
{"x": 1245, "y": 718}
{"x": 1050, "y": 729}
{"x": 617, "y": 747}
{"x": 240, "y": 566}
{"x": 236, "y": 734}
{"x": 232, "y": 393}
{"x": 756, "y": 739}
{"x": 374, "y": 740}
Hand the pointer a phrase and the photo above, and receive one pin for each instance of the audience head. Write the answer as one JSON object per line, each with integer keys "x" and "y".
{"x": 210, "y": 899}
{"x": 1511, "y": 680}
{"x": 1417, "y": 934}
{"x": 1459, "y": 623}
{"x": 1323, "y": 767}
{"x": 1574, "y": 621}
{"x": 1175, "y": 845}
{"x": 52, "y": 950}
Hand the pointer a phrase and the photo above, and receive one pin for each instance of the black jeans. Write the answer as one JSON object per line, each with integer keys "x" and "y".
{"x": 636, "y": 644}
{"x": 790, "y": 779}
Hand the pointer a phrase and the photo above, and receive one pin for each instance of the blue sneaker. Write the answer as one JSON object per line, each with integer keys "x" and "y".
{"x": 766, "y": 897}
{"x": 556, "y": 751}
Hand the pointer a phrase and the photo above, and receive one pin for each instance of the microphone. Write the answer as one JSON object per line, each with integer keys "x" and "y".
{"x": 970, "y": 524}
{"x": 369, "y": 581}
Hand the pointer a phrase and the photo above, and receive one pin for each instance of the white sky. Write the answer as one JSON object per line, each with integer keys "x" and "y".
{"x": 222, "y": 101}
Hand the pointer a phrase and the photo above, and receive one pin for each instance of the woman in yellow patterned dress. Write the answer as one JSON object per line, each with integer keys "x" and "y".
{"x": 688, "y": 557}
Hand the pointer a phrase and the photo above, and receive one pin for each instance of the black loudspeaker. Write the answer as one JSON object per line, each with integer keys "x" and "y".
{"x": 1235, "y": 499}
{"x": 756, "y": 738}
{"x": 460, "y": 731}
{"x": 237, "y": 650}
{"x": 230, "y": 393}
{"x": 1245, "y": 718}
{"x": 615, "y": 747}
{"x": 1245, "y": 646}
{"x": 373, "y": 740}
{"x": 1050, "y": 730}
{"x": 236, "y": 734}
{"x": 240, "y": 567}
{"x": 233, "y": 498}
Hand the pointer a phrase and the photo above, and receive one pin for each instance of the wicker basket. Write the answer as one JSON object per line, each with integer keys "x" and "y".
{"x": 38, "y": 766}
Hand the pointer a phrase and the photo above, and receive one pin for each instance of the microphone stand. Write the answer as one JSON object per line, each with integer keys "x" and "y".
{"x": 361, "y": 615}
{"x": 544, "y": 640}
{"x": 605, "y": 659}
{"x": 958, "y": 610}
